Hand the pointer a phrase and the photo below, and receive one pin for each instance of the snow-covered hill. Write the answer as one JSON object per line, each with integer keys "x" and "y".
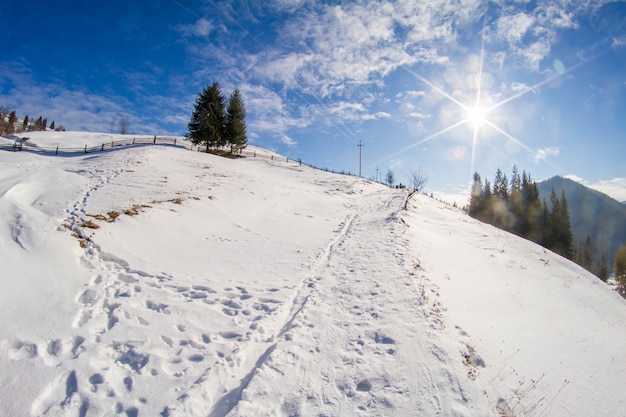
{"x": 216, "y": 287}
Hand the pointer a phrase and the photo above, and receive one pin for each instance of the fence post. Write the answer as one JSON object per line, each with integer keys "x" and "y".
{"x": 133, "y": 141}
{"x": 272, "y": 157}
{"x": 57, "y": 151}
{"x": 287, "y": 160}
{"x": 85, "y": 148}
{"x": 174, "y": 141}
{"x": 103, "y": 147}
{"x": 154, "y": 142}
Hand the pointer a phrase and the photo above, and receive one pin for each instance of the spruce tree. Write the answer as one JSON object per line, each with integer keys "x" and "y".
{"x": 11, "y": 123}
{"x": 476, "y": 204}
{"x": 25, "y": 123}
{"x": 585, "y": 257}
{"x": 532, "y": 227}
{"x": 236, "y": 123}
{"x": 500, "y": 201}
{"x": 207, "y": 124}
{"x": 516, "y": 203}
{"x": 602, "y": 268}
{"x": 566, "y": 239}
{"x": 619, "y": 269}
{"x": 487, "y": 214}
{"x": 500, "y": 185}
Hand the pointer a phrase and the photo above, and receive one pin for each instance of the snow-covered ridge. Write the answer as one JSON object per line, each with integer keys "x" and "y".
{"x": 252, "y": 287}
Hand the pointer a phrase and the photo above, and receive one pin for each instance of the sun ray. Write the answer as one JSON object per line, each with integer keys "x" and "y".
{"x": 520, "y": 143}
{"x": 477, "y": 114}
{"x": 546, "y": 81}
{"x": 434, "y": 87}
{"x": 421, "y": 141}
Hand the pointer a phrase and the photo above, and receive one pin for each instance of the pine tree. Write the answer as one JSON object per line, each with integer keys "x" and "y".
{"x": 619, "y": 269}
{"x": 487, "y": 215}
{"x": 25, "y": 123}
{"x": 236, "y": 123}
{"x": 545, "y": 236}
{"x": 566, "y": 239}
{"x": 559, "y": 238}
{"x": 207, "y": 124}
{"x": 531, "y": 222}
{"x": 516, "y": 203}
{"x": 476, "y": 204}
{"x": 500, "y": 202}
{"x": 52, "y": 125}
{"x": 11, "y": 122}
{"x": 500, "y": 185}
{"x": 585, "y": 257}
{"x": 602, "y": 268}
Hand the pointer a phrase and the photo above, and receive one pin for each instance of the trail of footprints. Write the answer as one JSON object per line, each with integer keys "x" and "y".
{"x": 118, "y": 294}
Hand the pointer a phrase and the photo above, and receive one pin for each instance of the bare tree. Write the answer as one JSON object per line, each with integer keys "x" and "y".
{"x": 390, "y": 178}
{"x": 123, "y": 125}
{"x": 417, "y": 180}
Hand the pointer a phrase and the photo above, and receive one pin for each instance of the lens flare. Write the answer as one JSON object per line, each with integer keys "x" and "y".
{"x": 477, "y": 116}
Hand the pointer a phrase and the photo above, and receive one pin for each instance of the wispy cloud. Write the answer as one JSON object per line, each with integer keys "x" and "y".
{"x": 83, "y": 110}
{"x": 543, "y": 154}
{"x": 615, "y": 188}
{"x": 201, "y": 28}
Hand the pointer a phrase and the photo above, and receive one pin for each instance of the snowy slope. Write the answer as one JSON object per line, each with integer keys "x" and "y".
{"x": 218, "y": 287}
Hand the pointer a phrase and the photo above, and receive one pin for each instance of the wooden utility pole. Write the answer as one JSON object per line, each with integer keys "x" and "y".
{"x": 360, "y": 145}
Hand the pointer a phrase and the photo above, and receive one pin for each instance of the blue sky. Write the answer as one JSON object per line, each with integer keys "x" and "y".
{"x": 318, "y": 77}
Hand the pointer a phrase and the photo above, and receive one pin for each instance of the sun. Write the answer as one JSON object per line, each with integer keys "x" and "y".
{"x": 476, "y": 116}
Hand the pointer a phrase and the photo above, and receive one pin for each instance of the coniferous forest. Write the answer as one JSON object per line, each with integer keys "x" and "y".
{"x": 515, "y": 206}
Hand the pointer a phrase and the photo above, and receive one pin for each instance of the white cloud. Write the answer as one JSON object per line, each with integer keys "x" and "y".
{"x": 615, "y": 188}
{"x": 575, "y": 177}
{"x": 420, "y": 116}
{"x": 202, "y": 28}
{"x": 409, "y": 94}
{"x": 519, "y": 87}
{"x": 543, "y": 154}
{"x": 513, "y": 27}
{"x": 285, "y": 139}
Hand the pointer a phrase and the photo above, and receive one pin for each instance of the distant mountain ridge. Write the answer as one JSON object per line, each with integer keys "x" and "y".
{"x": 592, "y": 213}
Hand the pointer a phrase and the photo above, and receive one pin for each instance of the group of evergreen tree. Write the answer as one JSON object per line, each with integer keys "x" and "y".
{"x": 619, "y": 268}
{"x": 515, "y": 207}
{"x": 583, "y": 256}
{"x": 217, "y": 125}
{"x": 10, "y": 123}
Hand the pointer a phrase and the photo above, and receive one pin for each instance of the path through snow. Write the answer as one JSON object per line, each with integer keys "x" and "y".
{"x": 362, "y": 332}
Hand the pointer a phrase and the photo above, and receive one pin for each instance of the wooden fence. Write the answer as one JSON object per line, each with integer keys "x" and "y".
{"x": 57, "y": 150}
{"x": 141, "y": 141}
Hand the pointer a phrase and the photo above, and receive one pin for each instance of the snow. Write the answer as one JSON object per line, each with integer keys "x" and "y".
{"x": 257, "y": 287}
